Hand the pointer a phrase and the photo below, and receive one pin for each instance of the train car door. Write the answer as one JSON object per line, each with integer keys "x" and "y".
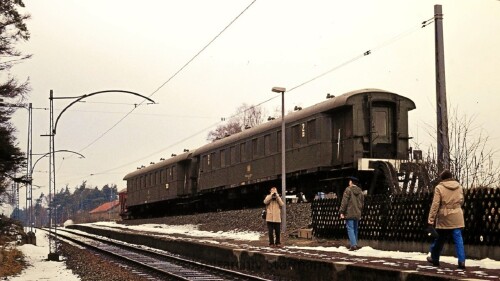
{"x": 383, "y": 128}
{"x": 342, "y": 141}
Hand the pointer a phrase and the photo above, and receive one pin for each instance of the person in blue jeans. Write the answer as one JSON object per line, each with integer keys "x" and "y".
{"x": 447, "y": 216}
{"x": 350, "y": 210}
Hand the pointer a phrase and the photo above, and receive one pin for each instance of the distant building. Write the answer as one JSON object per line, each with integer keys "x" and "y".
{"x": 109, "y": 211}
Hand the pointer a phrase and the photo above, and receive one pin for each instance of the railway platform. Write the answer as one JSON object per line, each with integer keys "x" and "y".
{"x": 298, "y": 259}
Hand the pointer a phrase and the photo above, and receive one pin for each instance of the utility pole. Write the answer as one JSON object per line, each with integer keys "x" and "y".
{"x": 53, "y": 253}
{"x": 29, "y": 184}
{"x": 53, "y": 249}
{"x": 443, "y": 143}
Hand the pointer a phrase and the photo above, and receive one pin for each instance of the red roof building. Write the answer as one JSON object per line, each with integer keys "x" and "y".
{"x": 108, "y": 211}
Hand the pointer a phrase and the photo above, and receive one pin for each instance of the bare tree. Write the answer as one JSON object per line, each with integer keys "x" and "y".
{"x": 246, "y": 116}
{"x": 471, "y": 158}
{"x": 250, "y": 115}
{"x": 12, "y": 30}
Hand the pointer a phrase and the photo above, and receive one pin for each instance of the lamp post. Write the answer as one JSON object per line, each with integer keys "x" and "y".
{"x": 53, "y": 255}
{"x": 283, "y": 151}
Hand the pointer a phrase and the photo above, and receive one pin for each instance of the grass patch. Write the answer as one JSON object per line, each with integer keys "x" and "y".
{"x": 11, "y": 262}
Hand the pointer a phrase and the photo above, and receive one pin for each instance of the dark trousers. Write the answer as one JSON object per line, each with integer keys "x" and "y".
{"x": 274, "y": 227}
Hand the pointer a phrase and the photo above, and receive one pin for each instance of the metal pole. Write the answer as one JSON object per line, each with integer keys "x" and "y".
{"x": 53, "y": 255}
{"x": 283, "y": 164}
{"x": 17, "y": 201}
{"x": 443, "y": 144}
{"x": 29, "y": 186}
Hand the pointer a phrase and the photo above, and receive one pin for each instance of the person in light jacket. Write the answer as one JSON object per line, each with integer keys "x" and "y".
{"x": 447, "y": 216}
{"x": 273, "y": 216}
{"x": 350, "y": 210}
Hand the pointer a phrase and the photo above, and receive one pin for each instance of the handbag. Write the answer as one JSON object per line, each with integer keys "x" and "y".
{"x": 263, "y": 214}
{"x": 431, "y": 231}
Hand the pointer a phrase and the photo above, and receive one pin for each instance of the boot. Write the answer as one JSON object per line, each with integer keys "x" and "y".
{"x": 461, "y": 265}
{"x": 429, "y": 259}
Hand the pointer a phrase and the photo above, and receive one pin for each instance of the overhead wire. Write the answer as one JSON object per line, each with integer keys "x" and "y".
{"x": 355, "y": 58}
{"x": 171, "y": 77}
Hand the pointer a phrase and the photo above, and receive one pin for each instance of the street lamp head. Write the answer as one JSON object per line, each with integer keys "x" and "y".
{"x": 279, "y": 89}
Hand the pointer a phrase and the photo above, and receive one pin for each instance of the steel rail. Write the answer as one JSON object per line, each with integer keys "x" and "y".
{"x": 161, "y": 263}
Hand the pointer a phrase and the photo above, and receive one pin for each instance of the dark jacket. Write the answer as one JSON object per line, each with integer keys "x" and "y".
{"x": 352, "y": 202}
{"x": 446, "y": 209}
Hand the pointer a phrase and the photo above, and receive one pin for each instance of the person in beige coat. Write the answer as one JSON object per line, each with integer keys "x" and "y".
{"x": 447, "y": 216}
{"x": 273, "y": 216}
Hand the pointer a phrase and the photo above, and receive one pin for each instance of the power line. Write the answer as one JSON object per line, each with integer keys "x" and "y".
{"x": 202, "y": 49}
{"x": 366, "y": 53}
{"x": 144, "y": 114}
{"x": 171, "y": 77}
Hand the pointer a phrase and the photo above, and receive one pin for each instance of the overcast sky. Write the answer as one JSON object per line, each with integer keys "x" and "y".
{"x": 80, "y": 47}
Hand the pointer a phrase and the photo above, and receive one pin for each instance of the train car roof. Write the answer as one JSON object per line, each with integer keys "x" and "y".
{"x": 161, "y": 164}
{"x": 336, "y": 102}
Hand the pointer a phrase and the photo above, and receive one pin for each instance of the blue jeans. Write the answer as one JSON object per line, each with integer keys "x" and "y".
{"x": 352, "y": 231}
{"x": 437, "y": 245}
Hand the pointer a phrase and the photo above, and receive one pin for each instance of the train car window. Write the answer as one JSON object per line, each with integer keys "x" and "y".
{"x": 296, "y": 136}
{"x": 157, "y": 177}
{"x": 248, "y": 146}
{"x": 256, "y": 148}
{"x": 311, "y": 130}
{"x": 380, "y": 123}
{"x": 288, "y": 138}
{"x": 203, "y": 163}
{"x": 174, "y": 172}
{"x": 267, "y": 144}
{"x": 223, "y": 158}
{"x": 278, "y": 141}
{"x": 163, "y": 176}
{"x": 234, "y": 156}
{"x": 213, "y": 159}
{"x": 243, "y": 152}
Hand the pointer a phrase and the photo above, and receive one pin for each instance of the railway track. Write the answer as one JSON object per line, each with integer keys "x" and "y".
{"x": 157, "y": 263}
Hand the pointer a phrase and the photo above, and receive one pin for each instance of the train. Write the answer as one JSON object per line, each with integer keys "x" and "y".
{"x": 362, "y": 133}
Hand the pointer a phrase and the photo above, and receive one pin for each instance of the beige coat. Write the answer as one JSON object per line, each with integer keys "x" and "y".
{"x": 446, "y": 209}
{"x": 273, "y": 208}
